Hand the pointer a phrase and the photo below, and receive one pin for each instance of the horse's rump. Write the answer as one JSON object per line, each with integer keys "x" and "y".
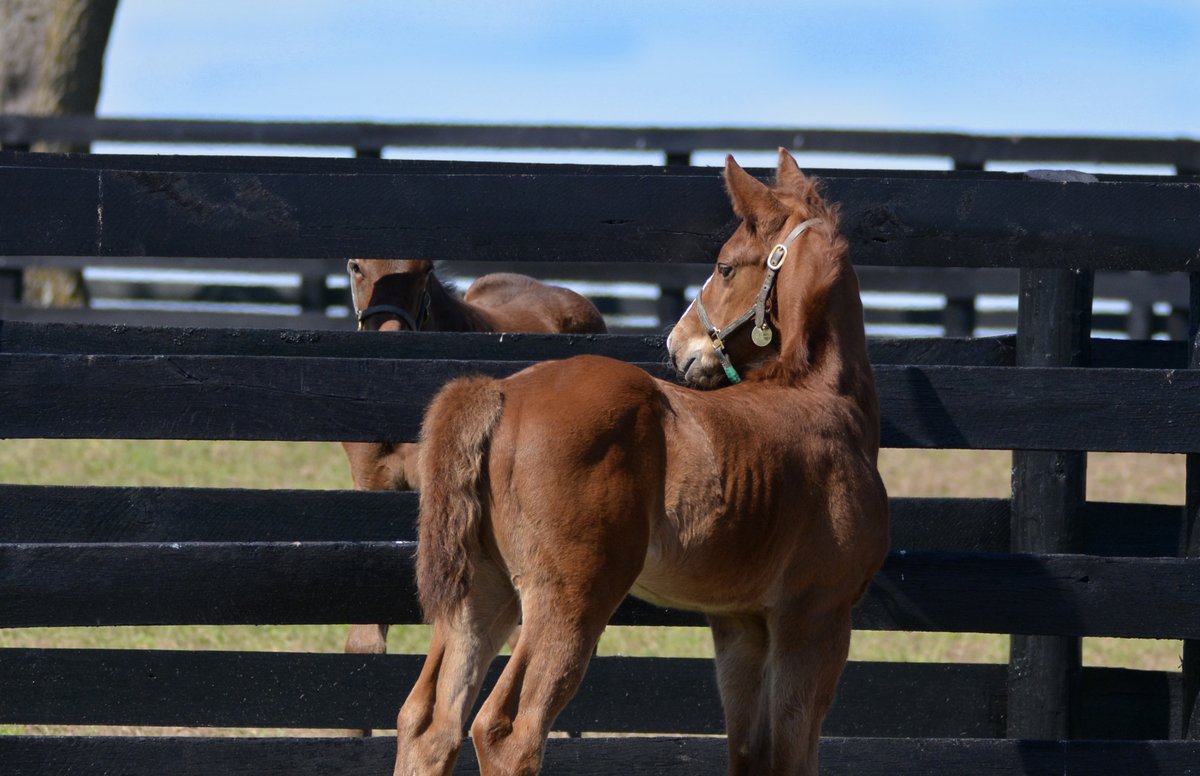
{"x": 520, "y": 303}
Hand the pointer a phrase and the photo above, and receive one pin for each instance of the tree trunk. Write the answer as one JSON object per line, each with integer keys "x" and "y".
{"x": 51, "y": 60}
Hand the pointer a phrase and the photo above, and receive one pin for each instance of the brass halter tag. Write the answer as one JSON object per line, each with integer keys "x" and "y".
{"x": 762, "y": 336}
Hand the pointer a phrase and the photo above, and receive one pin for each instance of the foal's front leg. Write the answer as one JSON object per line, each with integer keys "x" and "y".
{"x": 741, "y": 645}
{"x": 810, "y": 640}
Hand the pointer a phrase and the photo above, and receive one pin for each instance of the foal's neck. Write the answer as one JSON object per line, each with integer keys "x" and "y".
{"x": 450, "y": 313}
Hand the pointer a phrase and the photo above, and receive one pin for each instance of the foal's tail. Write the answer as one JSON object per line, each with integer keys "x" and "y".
{"x": 454, "y": 441}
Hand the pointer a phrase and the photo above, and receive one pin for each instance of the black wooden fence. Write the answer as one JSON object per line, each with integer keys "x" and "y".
{"x": 1145, "y": 304}
{"x": 1046, "y": 564}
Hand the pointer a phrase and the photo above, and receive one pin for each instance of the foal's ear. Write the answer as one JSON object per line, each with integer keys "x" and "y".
{"x": 789, "y": 175}
{"x": 752, "y": 201}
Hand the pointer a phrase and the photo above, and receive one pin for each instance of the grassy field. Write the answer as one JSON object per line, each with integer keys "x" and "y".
{"x": 1111, "y": 477}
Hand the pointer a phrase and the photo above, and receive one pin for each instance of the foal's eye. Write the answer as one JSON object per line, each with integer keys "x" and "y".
{"x": 354, "y": 268}
{"x": 725, "y": 270}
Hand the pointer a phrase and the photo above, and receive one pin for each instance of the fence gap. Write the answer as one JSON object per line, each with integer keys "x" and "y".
{"x": 1054, "y": 321}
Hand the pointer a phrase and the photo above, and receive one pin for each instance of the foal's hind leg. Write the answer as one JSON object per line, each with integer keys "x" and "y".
{"x": 429, "y": 728}
{"x": 559, "y": 632}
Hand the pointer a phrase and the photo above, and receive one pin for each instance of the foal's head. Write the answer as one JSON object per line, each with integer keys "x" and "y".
{"x": 390, "y": 294}
{"x": 771, "y": 279}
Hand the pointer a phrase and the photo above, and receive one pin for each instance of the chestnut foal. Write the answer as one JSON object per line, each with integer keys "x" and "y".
{"x": 553, "y": 493}
{"x": 406, "y": 295}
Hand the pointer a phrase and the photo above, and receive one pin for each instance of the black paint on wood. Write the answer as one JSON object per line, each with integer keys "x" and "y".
{"x": 46, "y": 338}
{"x": 1189, "y": 537}
{"x": 618, "y": 695}
{"x": 332, "y": 582}
{"x": 340, "y": 399}
{"x": 1049, "y": 490}
{"x": 637, "y": 756}
{"x": 73, "y": 514}
{"x": 607, "y": 214}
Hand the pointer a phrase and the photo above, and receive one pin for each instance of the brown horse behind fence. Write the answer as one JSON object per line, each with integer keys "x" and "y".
{"x": 553, "y": 493}
{"x": 406, "y": 295}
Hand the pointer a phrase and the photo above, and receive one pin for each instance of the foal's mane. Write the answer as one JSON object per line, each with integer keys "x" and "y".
{"x": 807, "y": 282}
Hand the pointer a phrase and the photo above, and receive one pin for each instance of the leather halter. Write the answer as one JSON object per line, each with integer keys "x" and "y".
{"x": 762, "y": 335}
{"x": 414, "y": 322}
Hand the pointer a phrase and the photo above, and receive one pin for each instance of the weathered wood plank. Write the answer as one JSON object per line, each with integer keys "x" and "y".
{"x": 1057, "y": 595}
{"x": 51, "y": 337}
{"x": 298, "y": 582}
{"x": 1049, "y": 487}
{"x": 618, "y": 694}
{"x": 649, "y": 756}
{"x": 339, "y": 399}
{"x": 82, "y": 514}
{"x": 79, "y": 514}
{"x": 612, "y": 214}
{"x": 65, "y": 338}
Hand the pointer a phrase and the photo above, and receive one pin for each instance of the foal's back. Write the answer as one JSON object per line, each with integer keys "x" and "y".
{"x": 513, "y": 302}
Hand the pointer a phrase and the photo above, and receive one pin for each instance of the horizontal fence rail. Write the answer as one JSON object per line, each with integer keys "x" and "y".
{"x": 609, "y": 214}
{"x": 341, "y": 399}
{"x": 648, "y": 756}
{"x": 81, "y": 514}
{"x": 40, "y": 338}
{"x": 268, "y": 293}
{"x": 618, "y": 695}
{"x": 250, "y": 583}
{"x": 965, "y": 149}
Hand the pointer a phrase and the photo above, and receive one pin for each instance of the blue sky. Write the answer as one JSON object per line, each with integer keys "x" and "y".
{"x": 1119, "y": 68}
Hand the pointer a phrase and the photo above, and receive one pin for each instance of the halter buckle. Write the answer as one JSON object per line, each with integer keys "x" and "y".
{"x": 779, "y": 250}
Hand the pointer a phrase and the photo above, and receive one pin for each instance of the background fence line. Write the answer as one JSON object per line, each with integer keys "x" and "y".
{"x": 106, "y": 556}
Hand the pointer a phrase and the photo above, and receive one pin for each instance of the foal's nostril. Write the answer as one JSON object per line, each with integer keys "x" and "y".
{"x": 688, "y": 366}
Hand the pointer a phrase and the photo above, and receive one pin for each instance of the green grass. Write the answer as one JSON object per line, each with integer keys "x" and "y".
{"x": 1111, "y": 477}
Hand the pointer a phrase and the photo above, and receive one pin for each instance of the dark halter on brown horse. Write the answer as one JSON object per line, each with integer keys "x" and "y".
{"x": 415, "y": 322}
{"x": 551, "y": 494}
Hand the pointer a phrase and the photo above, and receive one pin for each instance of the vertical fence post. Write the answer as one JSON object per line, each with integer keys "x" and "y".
{"x": 1053, "y": 329}
{"x": 1139, "y": 324}
{"x": 671, "y": 295}
{"x": 959, "y": 316}
{"x": 677, "y": 158}
{"x": 12, "y": 288}
{"x": 1190, "y": 538}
